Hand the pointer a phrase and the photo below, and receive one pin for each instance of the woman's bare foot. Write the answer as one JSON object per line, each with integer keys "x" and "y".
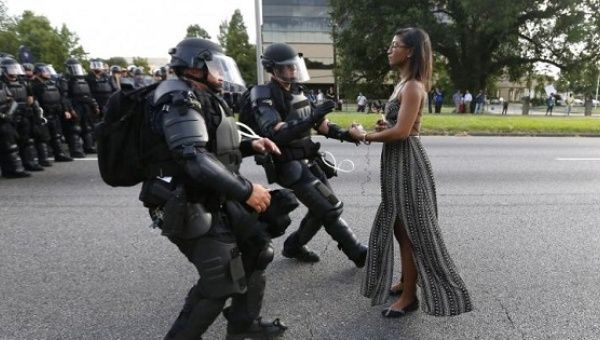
{"x": 403, "y": 302}
{"x": 397, "y": 288}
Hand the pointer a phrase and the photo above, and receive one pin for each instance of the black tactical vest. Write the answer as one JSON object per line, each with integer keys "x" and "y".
{"x": 19, "y": 92}
{"x": 78, "y": 88}
{"x": 51, "y": 95}
{"x": 4, "y": 98}
{"x": 224, "y": 140}
{"x": 100, "y": 86}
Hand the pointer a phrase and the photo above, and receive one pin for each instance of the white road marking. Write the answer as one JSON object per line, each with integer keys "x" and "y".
{"x": 577, "y": 159}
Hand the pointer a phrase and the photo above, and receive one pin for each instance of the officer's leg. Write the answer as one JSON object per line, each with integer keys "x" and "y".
{"x": 10, "y": 162}
{"x": 26, "y": 145}
{"x": 41, "y": 136}
{"x": 243, "y": 315}
{"x": 55, "y": 140}
{"x": 86, "y": 130}
{"x": 220, "y": 267}
{"x": 72, "y": 130}
{"x": 289, "y": 175}
{"x": 323, "y": 204}
{"x": 197, "y": 314}
{"x": 295, "y": 245}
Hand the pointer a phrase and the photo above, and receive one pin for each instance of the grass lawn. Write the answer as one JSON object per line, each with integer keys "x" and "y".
{"x": 453, "y": 124}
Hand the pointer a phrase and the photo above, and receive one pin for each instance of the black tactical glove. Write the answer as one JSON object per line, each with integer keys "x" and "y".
{"x": 321, "y": 110}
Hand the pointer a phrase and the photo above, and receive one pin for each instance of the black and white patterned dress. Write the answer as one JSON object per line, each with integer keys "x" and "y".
{"x": 408, "y": 196}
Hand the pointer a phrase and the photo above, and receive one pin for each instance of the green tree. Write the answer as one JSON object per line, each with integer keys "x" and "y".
{"x": 195, "y": 31}
{"x": 117, "y": 61}
{"x": 581, "y": 80}
{"x": 141, "y": 62}
{"x": 47, "y": 44}
{"x": 478, "y": 38}
{"x": 233, "y": 37}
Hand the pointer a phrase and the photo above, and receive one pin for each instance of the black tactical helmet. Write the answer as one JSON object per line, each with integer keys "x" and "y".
{"x": 73, "y": 67}
{"x": 96, "y": 64}
{"x": 43, "y": 70}
{"x": 193, "y": 53}
{"x": 276, "y": 53}
{"x": 115, "y": 69}
{"x": 27, "y": 66}
{"x": 11, "y": 68}
{"x": 284, "y": 63}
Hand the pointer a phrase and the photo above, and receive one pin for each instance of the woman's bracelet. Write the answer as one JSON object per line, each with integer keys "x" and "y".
{"x": 364, "y": 139}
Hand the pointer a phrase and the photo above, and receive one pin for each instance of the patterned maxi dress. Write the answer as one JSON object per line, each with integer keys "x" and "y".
{"x": 408, "y": 196}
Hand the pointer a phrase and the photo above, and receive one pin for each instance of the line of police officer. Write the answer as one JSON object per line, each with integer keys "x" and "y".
{"x": 39, "y": 111}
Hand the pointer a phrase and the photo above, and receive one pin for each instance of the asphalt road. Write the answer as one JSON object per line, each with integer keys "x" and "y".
{"x": 520, "y": 218}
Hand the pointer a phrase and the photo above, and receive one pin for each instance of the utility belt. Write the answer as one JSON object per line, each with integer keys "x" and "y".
{"x": 172, "y": 212}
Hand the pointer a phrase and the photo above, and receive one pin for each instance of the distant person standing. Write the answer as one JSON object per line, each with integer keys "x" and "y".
{"x": 361, "y": 102}
{"x": 569, "y": 103}
{"x": 457, "y": 99}
{"x": 550, "y": 102}
{"x": 320, "y": 97}
{"x": 438, "y": 99}
{"x": 467, "y": 99}
{"x": 504, "y": 107}
{"x": 479, "y": 102}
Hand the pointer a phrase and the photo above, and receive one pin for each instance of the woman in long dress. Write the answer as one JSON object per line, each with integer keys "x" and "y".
{"x": 408, "y": 208}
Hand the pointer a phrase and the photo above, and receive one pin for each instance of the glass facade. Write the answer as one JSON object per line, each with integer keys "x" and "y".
{"x": 300, "y": 22}
{"x": 296, "y": 21}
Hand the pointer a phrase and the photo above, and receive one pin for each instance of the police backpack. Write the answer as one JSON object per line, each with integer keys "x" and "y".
{"x": 245, "y": 106}
{"x": 121, "y": 154}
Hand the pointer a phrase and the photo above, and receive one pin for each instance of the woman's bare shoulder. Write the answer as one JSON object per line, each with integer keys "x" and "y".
{"x": 412, "y": 87}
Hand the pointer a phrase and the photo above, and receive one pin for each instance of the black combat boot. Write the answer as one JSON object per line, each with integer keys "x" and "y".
{"x": 42, "y": 152}
{"x": 259, "y": 329}
{"x": 347, "y": 241}
{"x": 293, "y": 250}
{"x": 11, "y": 165}
{"x": 75, "y": 146}
{"x": 29, "y": 157}
{"x": 59, "y": 154}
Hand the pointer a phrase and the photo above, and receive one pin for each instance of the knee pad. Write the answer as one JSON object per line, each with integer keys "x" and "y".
{"x": 318, "y": 198}
{"x": 220, "y": 267}
{"x": 334, "y": 214}
{"x": 265, "y": 257}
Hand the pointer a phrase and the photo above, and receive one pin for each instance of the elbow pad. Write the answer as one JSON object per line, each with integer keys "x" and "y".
{"x": 208, "y": 171}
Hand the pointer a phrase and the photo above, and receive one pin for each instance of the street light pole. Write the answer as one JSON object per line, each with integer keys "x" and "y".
{"x": 597, "y": 85}
{"x": 258, "y": 16}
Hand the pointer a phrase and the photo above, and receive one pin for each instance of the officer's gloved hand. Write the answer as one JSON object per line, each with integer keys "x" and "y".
{"x": 321, "y": 110}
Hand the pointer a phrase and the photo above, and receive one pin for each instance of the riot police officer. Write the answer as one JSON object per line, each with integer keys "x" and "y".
{"x": 49, "y": 97}
{"x": 10, "y": 161}
{"x": 284, "y": 114}
{"x": 100, "y": 84}
{"x": 202, "y": 153}
{"x": 26, "y": 116}
{"x": 82, "y": 106}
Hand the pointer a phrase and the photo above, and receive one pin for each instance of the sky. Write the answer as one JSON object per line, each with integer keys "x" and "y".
{"x": 129, "y": 28}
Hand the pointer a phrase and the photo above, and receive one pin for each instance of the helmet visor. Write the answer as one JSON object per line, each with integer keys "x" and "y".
{"x": 291, "y": 70}
{"x": 46, "y": 71}
{"x": 76, "y": 70}
{"x": 51, "y": 70}
{"x": 96, "y": 65}
{"x": 14, "y": 70}
{"x": 223, "y": 67}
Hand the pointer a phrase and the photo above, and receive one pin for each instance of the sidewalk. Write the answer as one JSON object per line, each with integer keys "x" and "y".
{"x": 516, "y": 109}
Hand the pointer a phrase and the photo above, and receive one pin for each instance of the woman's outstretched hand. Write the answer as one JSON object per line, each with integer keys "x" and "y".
{"x": 357, "y": 132}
